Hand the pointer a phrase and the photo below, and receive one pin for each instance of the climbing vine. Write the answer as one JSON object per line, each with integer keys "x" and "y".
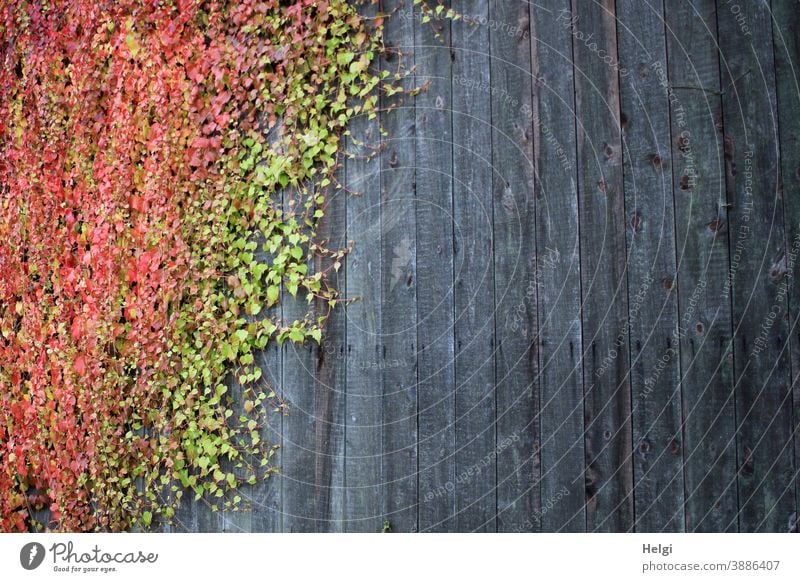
{"x": 163, "y": 168}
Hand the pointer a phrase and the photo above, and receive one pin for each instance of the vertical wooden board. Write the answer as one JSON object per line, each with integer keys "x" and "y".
{"x": 557, "y": 270}
{"x": 609, "y": 479}
{"x": 786, "y": 42}
{"x": 182, "y": 521}
{"x": 364, "y": 357}
{"x": 475, "y": 495}
{"x": 242, "y": 519}
{"x": 704, "y": 326}
{"x": 185, "y": 519}
{"x": 207, "y": 517}
{"x": 267, "y": 493}
{"x": 763, "y": 397}
{"x": 399, "y": 278}
{"x": 331, "y": 374}
{"x": 517, "y": 398}
{"x": 299, "y": 459}
{"x": 434, "y": 220}
{"x": 239, "y": 520}
{"x": 652, "y": 306}
{"x": 206, "y": 520}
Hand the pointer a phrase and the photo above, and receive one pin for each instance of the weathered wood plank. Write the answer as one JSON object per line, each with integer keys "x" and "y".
{"x": 364, "y": 357}
{"x": 652, "y": 305}
{"x": 210, "y": 515}
{"x": 248, "y": 517}
{"x": 298, "y": 463}
{"x": 704, "y": 332}
{"x": 399, "y": 279}
{"x": 786, "y": 42}
{"x": 331, "y": 374}
{"x": 557, "y": 270}
{"x": 518, "y": 495}
{"x": 206, "y": 518}
{"x": 267, "y": 494}
{"x": 434, "y": 220}
{"x": 475, "y": 496}
{"x": 239, "y": 520}
{"x": 609, "y": 481}
{"x": 763, "y": 397}
{"x": 185, "y": 519}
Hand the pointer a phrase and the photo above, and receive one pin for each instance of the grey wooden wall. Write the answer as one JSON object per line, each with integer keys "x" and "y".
{"x": 574, "y": 257}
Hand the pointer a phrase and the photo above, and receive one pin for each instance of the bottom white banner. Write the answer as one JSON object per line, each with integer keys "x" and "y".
{"x": 389, "y": 557}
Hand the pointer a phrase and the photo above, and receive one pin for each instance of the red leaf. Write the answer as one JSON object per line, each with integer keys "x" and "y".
{"x": 136, "y": 203}
{"x": 77, "y": 328}
{"x": 79, "y": 365}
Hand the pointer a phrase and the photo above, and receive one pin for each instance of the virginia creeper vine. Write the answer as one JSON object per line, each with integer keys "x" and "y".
{"x": 142, "y": 144}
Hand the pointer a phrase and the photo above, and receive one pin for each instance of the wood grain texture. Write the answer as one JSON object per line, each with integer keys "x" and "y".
{"x": 786, "y": 43}
{"x": 557, "y": 270}
{"x": 267, "y": 494}
{"x": 709, "y": 419}
{"x": 185, "y": 520}
{"x": 761, "y": 357}
{"x": 514, "y": 228}
{"x": 609, "y": 480}
{"x": 331, "y": 376}
{"x": 652, "y": 304}
{"x": 476, "y": 467}
{"x": 434, "y": 222}
{"x": 240, "y": 519}
{"x": 364, "y": 356}
{"x": 298, "y": 462}
{"x": 399, "y": 279}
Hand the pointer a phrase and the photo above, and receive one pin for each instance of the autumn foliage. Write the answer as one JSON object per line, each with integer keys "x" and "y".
{"x": 142, "y": 243}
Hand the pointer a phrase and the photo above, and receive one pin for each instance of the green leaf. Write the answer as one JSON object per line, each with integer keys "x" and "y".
{"x": 273, "y": 293}
{"x": 345, "y": 58}
{"x": 227, "y": 352}
{"x": 132, "y": 43}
